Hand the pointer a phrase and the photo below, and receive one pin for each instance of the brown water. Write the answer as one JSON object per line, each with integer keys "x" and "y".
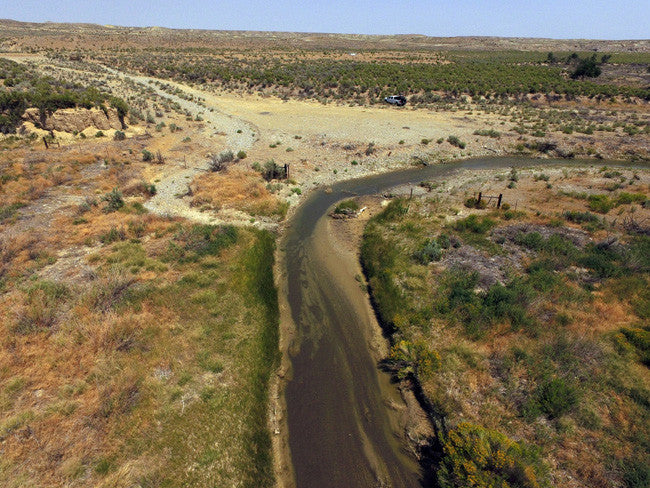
{"x": 340, "y": 431}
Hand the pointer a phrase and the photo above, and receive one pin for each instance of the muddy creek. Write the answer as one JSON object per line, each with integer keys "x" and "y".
{"x": 341, "y": 433}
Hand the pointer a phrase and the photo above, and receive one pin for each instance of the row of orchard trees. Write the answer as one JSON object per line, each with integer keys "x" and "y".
{"x": 466, "y": 75}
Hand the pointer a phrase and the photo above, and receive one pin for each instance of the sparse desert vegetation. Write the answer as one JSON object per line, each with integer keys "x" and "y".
{"x": 106, "y": 374}
{"x": 522, "y": 327}
{"x": 146, "y": 175}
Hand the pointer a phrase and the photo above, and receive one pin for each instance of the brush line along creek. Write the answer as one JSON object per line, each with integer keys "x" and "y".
{"x": 340, "y": 429}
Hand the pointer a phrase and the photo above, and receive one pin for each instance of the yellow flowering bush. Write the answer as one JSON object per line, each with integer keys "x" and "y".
{"x": 477, "y": 457}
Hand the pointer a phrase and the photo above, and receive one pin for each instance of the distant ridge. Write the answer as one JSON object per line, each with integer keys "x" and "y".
{"x": 56, "y": 35}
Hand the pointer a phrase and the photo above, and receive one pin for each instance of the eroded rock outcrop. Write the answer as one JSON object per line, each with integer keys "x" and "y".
{"x": 74, "y": 119}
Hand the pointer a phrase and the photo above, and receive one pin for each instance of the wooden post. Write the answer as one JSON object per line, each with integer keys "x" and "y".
{"x": 45, "y": 142}
{"x": 411, "y": 194}
{"x": 286, "y": 171}
{"x": 499, "y": 200}
{"x": 479, "y": 198}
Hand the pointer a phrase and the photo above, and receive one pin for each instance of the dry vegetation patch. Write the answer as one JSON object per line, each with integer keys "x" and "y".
{"x": 239, "y": 189}
{"x": 134, "y": 349}
{"x": 109, "y": 377}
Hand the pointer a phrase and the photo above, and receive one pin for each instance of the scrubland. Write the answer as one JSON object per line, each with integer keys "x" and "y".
{"x": 139, "y": 318}
{"x": 136, "y": 348}
{"x": 526, "y": 327}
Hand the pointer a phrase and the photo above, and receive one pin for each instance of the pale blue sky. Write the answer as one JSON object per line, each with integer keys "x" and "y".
{"x": 595, "y": 19}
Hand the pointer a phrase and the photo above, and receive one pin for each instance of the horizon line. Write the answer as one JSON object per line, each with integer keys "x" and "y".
{"x": 487, "y": 36}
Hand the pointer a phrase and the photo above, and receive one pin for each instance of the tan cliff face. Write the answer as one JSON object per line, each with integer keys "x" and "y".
{"x": 74, "y": 119}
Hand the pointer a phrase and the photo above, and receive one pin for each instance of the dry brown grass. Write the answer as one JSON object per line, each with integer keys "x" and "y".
{"x": 239, "y": 189}
{"x": 92, "y": 361}
{"x": 86, "y": 375}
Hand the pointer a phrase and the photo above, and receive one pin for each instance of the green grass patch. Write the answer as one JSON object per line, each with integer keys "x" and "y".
{"x": 625, "y": 198}
{"x": 474, "y": 223}
{"x": 552, "y": 398}
{"x": 600, "y": 203}
{"x": 193, "y": 242}
{"x": 346, "y": 207}
{"x": 7, "y": 212}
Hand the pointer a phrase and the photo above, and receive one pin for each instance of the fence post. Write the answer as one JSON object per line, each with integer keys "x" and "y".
{"x": 479, "y": 198}
{"x": 45, "y": 142}
{"x": 286, "y": 171}
{"x": 499, "y": 200}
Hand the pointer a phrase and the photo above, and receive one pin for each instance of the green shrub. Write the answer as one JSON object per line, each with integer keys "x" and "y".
{"x": 624, "y": 198}
{"x": 395, "y": 210}
{"x": 113, "y": 201}
{"x": 475, "y": 224}
{"x": 346, "y": 207}
{"x": 637, "y": 259}
{"x": 218, "y": 162}
{"x": 9, "y": 211}
{"x": 601, "y": 260}
{"x": 273, "y": 171}
{"x": 587, "y": 68}
{"x": 531, "y": 240}
{"x": 413, "y": 359}
{"x": 444, "y": 241}
{"x": 581, "y": 217}
{"x": 459, "y": 302}
{"x": 600, "y": 203}
{"x": 507, "y": 303}
{"x": 488, "y": 133}
{"x": 113, "y": 235}
{"x": 455, "y": 141}
{"x": 428, "y": 252}
{"x": 473, "y": 456}
{"x": 147, "y": 155}
{"x": 189, "y": 244}
{"x": 241, "y": 155}
{"x": 554, "y": 398}
{"x": 636, "y": 473}
{"x": 474, "y": 203}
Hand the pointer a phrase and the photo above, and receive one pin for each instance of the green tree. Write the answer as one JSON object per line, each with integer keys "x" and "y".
{"x": 587, "y": 68}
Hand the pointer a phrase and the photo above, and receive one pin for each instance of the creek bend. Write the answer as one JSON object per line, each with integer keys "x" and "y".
{"x": 340, "y": 429}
